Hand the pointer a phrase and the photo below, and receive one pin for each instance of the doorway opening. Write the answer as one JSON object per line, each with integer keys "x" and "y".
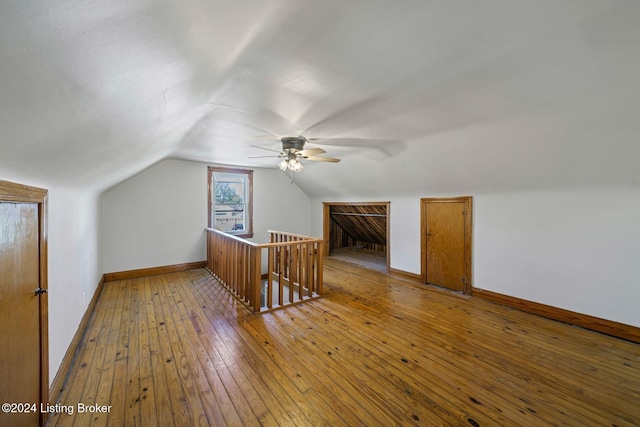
{"x": 446, "y": 231}
{"x": 358, "y": 232}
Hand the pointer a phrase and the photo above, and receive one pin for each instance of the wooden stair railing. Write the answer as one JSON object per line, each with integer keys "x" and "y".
{"x": 292, "y": 266}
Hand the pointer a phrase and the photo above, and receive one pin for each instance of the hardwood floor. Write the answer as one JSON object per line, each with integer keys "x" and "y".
{"x": 373, "y": 260}
{"x": 177, "y": 349}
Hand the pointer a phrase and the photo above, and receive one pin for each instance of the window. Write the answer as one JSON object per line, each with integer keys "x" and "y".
{"x": 231, "y": 200}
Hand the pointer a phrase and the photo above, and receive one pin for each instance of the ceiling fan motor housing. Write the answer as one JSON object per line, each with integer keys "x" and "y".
{"x": 292, "y": 143}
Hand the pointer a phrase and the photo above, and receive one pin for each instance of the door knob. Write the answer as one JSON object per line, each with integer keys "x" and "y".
{"x": 40, "y": 291}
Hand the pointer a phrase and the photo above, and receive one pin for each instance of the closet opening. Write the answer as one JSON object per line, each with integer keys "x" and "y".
{"x": 358, "y": 232}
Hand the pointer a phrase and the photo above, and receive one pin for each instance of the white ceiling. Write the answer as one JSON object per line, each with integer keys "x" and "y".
{"x": 442, "y": 96}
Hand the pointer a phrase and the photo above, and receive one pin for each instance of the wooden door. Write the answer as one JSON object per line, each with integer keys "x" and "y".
{"x": 446, "y": 240}
{"x": 23, "y": 341}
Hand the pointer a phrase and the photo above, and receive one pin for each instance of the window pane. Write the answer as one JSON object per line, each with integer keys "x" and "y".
{"x": 230, "y": 218}
{"x": 230, "y": 189}
{"x": 230, "y": 206}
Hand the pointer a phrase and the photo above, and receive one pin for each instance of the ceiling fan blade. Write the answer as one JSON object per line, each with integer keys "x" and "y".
{"x": 268, "y": 149}
{"x": 357, "y": 142}
{"x": 377, "y": 149}
{"x": 311, "y": 152}
{"x": 350, "y": 112}
{"x": 323, "y": 159}
{"x": 263, "y": 157}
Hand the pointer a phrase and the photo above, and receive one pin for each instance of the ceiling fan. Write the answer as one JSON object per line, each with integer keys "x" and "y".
{"x": 293, "y": 151}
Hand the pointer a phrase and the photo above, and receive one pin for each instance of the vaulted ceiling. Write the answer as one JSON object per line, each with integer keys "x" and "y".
{"x": 428, "y": 96}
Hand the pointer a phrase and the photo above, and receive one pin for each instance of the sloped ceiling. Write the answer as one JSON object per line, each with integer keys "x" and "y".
{"x": 446, "y": 95}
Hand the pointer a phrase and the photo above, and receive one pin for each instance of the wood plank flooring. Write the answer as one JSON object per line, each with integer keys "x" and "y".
{"x": 373, "y": 260}
{"x": 177, "y": 349}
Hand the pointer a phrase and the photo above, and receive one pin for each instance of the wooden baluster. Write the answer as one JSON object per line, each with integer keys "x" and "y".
{"x": 214, "y": 248}
{"x": 299, "y": 270}
{"x": 233, "y": 266}
{"x": 225, "y": 271}
{"x": 277, "y": 255}
{"x": 319, "y": 266}
{"x": 208, "y": 250}
{"x": 285, "y": 254}
{"x": 213, "y": 255}
{"x": 280, "y": 257}
{"x": 227, "y": 267}
{"x": 225, "y": 262}
{"x": 293, "y": 274}
{"x": 273, "y": 259}
{"x": 255, "y": 279}
{"x": 311, "y": 268}
{"x": 239, "y": 268}
{"x": 216, "y": 256}
{"x": 209, "y": 259}
{"x": 281, "y": 276}
{"x": 308, "y": 267}
{"x": 290, "y": 270}
{"x": 303, "y": 269}
{"x": 269, "y": 290}
{"x": 221, "y": 259}
{"x": 229, "y": 259}
{"x": 244, "y": 266}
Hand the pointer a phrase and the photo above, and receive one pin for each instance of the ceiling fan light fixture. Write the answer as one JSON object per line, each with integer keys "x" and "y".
{"x": 283, "y": 165}
{"x": 294, "y": 165}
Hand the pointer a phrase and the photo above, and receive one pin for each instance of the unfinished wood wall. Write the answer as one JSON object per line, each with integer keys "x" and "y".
{"x": 359, "y": 225}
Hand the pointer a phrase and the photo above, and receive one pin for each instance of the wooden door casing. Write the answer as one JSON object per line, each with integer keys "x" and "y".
{"x": 24, "y": 372}
{"x": 446, "y": 242}
{"x": 327, "y": 224}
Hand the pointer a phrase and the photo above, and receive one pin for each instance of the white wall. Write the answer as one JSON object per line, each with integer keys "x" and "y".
{"x": 74, "y": 270}
{"x": 573, "y": 249}
{"x": 578, "y": 250}
{"x": 155, "y": 218}
{"x": 158, "y": 216}
{"x": 278, "y": 205}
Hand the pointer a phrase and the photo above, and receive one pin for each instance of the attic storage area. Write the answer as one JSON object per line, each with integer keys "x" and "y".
{"x": 358, "y": 233}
